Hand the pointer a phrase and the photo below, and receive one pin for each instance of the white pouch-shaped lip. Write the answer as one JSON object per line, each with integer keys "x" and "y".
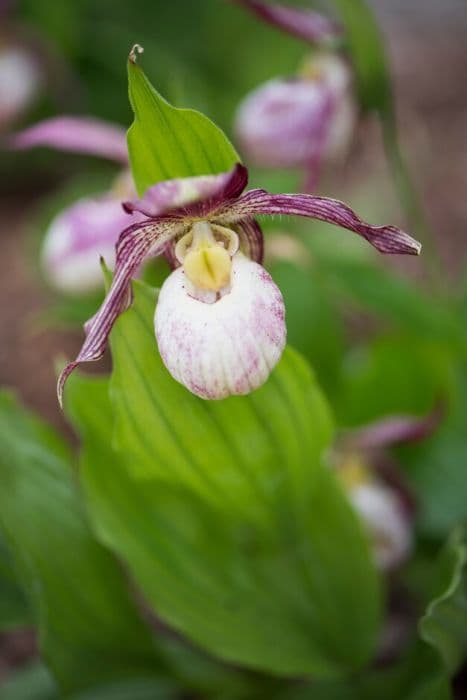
{"x": 226, "y": 347}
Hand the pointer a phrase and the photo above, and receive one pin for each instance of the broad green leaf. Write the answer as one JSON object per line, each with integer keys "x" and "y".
{"x": 35, "y": 683}
{"x": 14, "y": 609}
{"x": 135, "y": 689}
{"x": 378, "y": 290}
{"x": 444, "y": 625}
{"x": 88, "y": 405}
{"x": 416, "y": 675}
{"x": 165, "y": 142}
{"x": 89, "y": 627}
{"x": 224, "y": 514}
{"x": 394, "y": 374}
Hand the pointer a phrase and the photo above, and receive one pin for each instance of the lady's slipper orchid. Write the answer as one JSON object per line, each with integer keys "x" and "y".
{"x": 86, "y": 230}
{"x": 306, "y": 120}
{"x": 376, "y": 488}
{"x": 219, "y": 321}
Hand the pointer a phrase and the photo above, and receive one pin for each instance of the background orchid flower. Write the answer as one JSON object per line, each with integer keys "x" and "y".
{"x": 383, "y": 512}
{"x": 20, "y": 81}
{"x": 305, "y": 120}
{"x": 86, "y": 230}
{"x": 375, "y": 486}
{"x": 219, "y": 320}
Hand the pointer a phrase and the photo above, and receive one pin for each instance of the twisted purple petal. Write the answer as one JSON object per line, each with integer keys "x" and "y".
{"x": 386, "y": 239}
{"x": 304, "y": 24}
{"x": 395, "y": 430}
{"x": 191, "y": 196}
{"x": 77, "y": 135}
{"x": 134, "y": 245}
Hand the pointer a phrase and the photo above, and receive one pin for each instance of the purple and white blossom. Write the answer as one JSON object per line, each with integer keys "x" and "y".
{"x": 375, "y": 486}
{"x": 306, "y": 120}
{"x": 219, "y": 321}
{"x": 86, "y": 230}
{"x": 76, "y": 239}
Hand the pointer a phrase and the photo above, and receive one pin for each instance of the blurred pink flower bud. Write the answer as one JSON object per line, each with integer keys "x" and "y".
{"x": 76, "y": 239}
{"x": 305, "y": 121}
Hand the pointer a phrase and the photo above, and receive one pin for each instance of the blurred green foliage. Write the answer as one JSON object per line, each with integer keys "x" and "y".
{"x": 248, "y": 547}
{"x": 205, "y": 553}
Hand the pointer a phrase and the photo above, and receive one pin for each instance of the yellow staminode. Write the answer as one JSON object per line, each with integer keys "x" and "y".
{"x": 353, "y": 472}
{"x": 206, "y": 261}
{"x": 208, "y": 267}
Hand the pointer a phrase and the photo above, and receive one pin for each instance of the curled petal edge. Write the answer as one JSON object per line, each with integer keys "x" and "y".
{"x": 386, "y": 239}
{"x": 134, "y": 245}
{"x": 191, "y": 196}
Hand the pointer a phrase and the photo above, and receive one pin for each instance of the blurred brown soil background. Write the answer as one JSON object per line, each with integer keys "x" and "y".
{"x": 428, "y": 54}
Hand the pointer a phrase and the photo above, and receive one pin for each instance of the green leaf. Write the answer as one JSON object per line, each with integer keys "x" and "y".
{"x": 417, "y": 675}
{"x": 135, "y": 689}
{"x": 436, "y": 468}
{"x": 14, "y": 609}
{"x": 223, "y": 512}
{"x": 89, "y": 627}
{"x": 444, "y": 625}
{"x": 88, "y": 405}
{"x": 394, "y": 374}
{"x": 165, "y": 142}
{"x": 379, "y": 291}
{"x": 35, "y": 683}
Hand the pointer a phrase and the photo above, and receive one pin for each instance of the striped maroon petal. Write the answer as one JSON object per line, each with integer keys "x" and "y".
{"x": 252, "y": 239}
{"x": 77, "y": 135}
{"x": 386, "y": 239}
{"x": 310, "y": 26}
{"x": 191, "y": 196}
{"x": 134, "y": 244}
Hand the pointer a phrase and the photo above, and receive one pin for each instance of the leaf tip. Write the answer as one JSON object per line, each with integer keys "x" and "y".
{"x": 136, "y": 50}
